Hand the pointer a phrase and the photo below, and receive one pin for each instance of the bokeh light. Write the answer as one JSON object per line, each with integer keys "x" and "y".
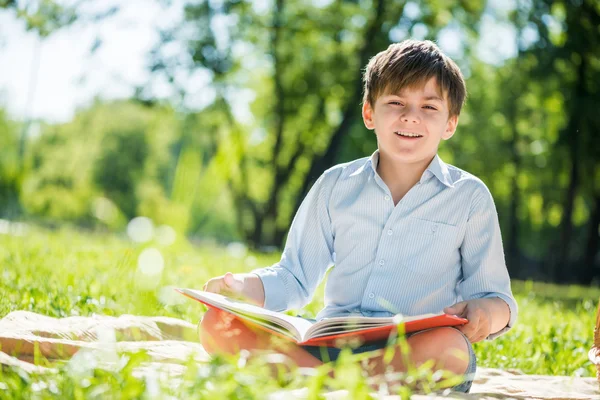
{"x": 140, "y": 229}
{"x": 13, "y": 228}
{"x": 104, "y": 209}
{"x": 237, "y": 249}
{"x": 165, "y": 235}
{"x": 169, "y": 297}
{"x": 151, "y": 262}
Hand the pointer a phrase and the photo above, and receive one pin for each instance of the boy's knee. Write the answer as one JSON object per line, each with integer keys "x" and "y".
{"x": 219, "y": 331}
{"x": 457, "y": 350}
{"x": 446, "y": 345}
{"x": 210, "y": 329}
{"x": 210, "y": 318}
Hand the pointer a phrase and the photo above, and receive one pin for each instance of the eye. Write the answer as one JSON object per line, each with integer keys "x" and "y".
{"x": 430, "y": 107}
{"x": 395, "y": 103}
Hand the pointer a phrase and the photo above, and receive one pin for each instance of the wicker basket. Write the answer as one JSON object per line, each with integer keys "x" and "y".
{"x": 594, "y": 353}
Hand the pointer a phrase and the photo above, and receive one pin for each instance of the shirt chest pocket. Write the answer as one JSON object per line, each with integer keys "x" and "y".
{"x": 429, "y": 247}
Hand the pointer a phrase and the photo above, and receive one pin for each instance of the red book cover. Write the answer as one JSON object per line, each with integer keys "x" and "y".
{"x": 333, "y": 332}
{"x": 383, "y": 332}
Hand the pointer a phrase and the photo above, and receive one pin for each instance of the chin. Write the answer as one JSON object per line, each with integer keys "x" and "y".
{"x": 411, "y": 158}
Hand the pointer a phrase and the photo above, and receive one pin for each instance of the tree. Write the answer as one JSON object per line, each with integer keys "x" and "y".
{"x": 303, "y": 64}
{"x": 43, "y": 17}
{"x": 568, "y": 48}
{"x": 9, "y": 169}
{"x": 118, "y": 151}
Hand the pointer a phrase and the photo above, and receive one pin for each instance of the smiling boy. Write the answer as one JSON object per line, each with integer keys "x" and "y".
{"x": 407, "y": 232}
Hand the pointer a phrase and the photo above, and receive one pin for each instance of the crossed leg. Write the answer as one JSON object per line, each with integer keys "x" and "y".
{"x": 220, "y": 332}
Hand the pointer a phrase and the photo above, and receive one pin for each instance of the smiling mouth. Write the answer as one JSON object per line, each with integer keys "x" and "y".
{"x": 408, "y": 134}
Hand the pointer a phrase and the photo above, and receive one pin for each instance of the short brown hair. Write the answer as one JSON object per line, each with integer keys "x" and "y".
{"x": 411, "y": 63}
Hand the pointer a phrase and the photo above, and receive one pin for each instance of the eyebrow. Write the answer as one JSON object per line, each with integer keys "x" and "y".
{"x": 434, "y": 98}
{"x": 426, "y": 98}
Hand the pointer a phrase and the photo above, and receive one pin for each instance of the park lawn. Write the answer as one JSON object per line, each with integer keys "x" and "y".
{"x": 72, "y": 272}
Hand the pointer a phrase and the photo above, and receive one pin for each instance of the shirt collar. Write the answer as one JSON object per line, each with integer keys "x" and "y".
{"x": 436, "y": 167}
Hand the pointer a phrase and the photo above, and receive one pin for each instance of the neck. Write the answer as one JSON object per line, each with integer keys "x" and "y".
{"x": 401, "y": 176}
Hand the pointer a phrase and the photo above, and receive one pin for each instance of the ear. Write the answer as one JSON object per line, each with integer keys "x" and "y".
{"x": 450, "y": 127}
{"x": 367, "y": 114}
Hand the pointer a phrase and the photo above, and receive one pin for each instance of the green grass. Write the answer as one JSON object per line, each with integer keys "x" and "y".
{"x": 68, "y": 272}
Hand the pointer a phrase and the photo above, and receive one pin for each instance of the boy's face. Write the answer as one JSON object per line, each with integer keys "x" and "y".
{"x": 421, "y": 112}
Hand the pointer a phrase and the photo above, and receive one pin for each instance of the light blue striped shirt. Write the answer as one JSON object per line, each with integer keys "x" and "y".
{"x": 439, "y": 245}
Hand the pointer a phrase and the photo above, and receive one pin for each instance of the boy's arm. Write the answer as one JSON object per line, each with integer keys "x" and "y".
{"x": 485, "y": 277}
{"x": 308, "y": 252}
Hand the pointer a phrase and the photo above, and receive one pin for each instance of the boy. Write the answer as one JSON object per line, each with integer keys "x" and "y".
{"x": 408, "y": 233}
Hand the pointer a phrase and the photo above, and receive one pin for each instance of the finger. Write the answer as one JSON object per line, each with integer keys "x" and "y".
{"x": 481, "y": 335}
{"x": 468, "y": 330}
{"x": 472, "y": 335}
{"x": 233, "y": 283}
{"x": 485, "y": 331}
{"x": 461, "y": 328}
{"x": 471, "y": 328}
{"x": 215, "y": 285}
{"x": 482, "y": 324}
{"x": 456, "y": 309}
{"x": 478, "y": 339}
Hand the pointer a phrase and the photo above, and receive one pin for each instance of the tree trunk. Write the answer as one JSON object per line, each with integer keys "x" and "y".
{"x": 561, "y": 266}
{"x": 513, "y": 227}
{"x": 282, "y": 172}
{"x": 559, "y": 272}
{"x": 590, "y": 269}
{"x": 321, "y": 162}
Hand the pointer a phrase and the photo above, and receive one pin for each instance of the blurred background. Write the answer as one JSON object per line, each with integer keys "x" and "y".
{"x": 214, "y": 117}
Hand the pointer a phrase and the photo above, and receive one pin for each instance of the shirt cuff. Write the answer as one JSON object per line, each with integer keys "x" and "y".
{"x": 275, "y": 293}
{"x": 512, "y": 307}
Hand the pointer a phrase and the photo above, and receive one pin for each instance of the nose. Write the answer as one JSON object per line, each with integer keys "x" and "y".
{"x": 410, "y": 116}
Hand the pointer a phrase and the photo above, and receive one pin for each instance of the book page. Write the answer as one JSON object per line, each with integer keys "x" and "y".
{"x": 296, "y": 326}
{"x": 336, "y": 325}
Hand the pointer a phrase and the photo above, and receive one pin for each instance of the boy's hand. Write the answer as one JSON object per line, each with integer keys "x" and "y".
{"x": 479, "y": 315}
{"x": 248, "y": 287}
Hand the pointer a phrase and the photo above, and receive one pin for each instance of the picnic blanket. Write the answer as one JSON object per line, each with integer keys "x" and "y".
{"x": 171, "y": 343}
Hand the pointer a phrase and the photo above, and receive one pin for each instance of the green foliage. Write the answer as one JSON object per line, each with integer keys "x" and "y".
{"x": 115, "y": 161}
{"x": 116, "y": 151}
{"x": 69, "y": 272}
{"x": 117, "y": 175}
{"x": 527, "y": 130}
{"x": 301, "y": 63}
{"x": 10, "y": 170}
{"x": 42, "y": 16}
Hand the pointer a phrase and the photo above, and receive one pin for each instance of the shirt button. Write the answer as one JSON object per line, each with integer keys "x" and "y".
{"x": 390, "y": 232}
{"x": 434, "y": 227}
{"x": 387, "y": 198}
{"x": 371, "y": 295}
{"x": 381, "y": 262}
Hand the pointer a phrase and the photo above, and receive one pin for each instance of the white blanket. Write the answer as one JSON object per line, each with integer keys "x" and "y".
{"x": 170, "y": 342}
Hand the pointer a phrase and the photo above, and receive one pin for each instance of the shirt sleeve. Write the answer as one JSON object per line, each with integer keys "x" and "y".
{"x": 308, "y": 253}
{"x": 484, "y": 269}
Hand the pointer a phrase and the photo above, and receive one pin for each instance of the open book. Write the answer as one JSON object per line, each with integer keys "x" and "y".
{"x": 333, "y": 332}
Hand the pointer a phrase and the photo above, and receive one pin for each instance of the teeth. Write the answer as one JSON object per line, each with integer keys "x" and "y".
{"x": 409, "y": 134}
